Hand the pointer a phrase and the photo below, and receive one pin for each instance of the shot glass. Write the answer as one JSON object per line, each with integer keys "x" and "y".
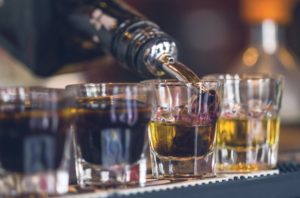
{"x": 110, "y": 125}
{"x": 34, "y": 141}
{"x": 182, "y": 128}
{"x": 249, "y": 124}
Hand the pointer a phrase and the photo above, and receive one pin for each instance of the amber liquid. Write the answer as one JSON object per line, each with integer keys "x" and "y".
{"x": 178, "y": 70}
{"x": 180, "y": 139}
{"x": 111, "y": 132}
{"x": 244, "y": 136}
{"x": 32, "y": 141}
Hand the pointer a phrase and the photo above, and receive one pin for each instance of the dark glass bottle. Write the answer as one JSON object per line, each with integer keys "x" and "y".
{"x": 135, "y": 41}
{"x": 65, "y": 31}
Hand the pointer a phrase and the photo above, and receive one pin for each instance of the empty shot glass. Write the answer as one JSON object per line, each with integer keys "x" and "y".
{"x": 182, "y": 128}
{"x": 34, "y": 141}
{"x": 249, "y": 124}
{"x": 110, "y": 126}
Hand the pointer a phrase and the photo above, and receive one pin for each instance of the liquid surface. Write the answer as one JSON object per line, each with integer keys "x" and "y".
{"x": 32, "y": 141}
{"x": 111, "y": 132}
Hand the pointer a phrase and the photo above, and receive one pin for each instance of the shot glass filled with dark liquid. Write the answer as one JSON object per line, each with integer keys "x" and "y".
{"x": 34, "y": 141}
{"x": 110, "y": 125}
{"x": 182, "y": 128}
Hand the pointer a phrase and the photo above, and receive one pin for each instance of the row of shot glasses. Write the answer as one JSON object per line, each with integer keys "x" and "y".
{"x": 221, "y": 124}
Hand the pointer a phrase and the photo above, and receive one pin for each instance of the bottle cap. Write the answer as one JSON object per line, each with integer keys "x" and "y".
{"x": 255, "y": 11}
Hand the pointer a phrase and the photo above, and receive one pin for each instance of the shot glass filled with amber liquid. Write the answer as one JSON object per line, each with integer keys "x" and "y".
{"x": 110, "y": 124}
{"x": 182, "y": 128}
{"x": 35, "y": 141}
{"x": 249, "y": 124}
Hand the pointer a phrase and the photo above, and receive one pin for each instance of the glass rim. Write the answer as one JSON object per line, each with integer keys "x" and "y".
{"x": 245, "y": 76}
{"x": 32, "y": 94}
{"x": 29, "y": 88}
{"x": 177, "y": 82}
{"x": 111, "y": 84}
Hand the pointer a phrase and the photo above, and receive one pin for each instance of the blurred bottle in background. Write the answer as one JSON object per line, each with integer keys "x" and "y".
{"x": 267, "y": 51}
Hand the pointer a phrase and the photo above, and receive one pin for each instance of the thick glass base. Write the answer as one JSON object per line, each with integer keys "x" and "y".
{"x": 230, "y": 160}
{"x": 121, "y": 175}
{"x": 180, "y": 167}
{"x": 42, "y": 183}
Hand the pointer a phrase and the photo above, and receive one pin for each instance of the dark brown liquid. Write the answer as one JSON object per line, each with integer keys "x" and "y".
{"x": 111, "y": 132}
{"x": 32, "y": 141}
{"x": 178, "y": 70}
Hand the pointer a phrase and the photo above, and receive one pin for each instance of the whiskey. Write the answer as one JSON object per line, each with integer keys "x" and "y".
{"x": 181, "y": 140}
{"x": 243, "y": 137}
{"x": 245, "y": 134}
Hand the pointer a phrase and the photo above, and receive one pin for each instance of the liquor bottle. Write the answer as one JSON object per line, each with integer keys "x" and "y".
{"x": 268, "y": 53}
{"x": 54, "y": 33}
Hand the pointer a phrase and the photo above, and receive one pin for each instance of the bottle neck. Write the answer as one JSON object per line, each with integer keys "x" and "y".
{"x": 138, "y": 43}
{"x": 267, "y": 35}
{"x": 132, "y": 39}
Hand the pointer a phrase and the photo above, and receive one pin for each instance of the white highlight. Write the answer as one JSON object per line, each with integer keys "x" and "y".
{"x": 269, "y": 36}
